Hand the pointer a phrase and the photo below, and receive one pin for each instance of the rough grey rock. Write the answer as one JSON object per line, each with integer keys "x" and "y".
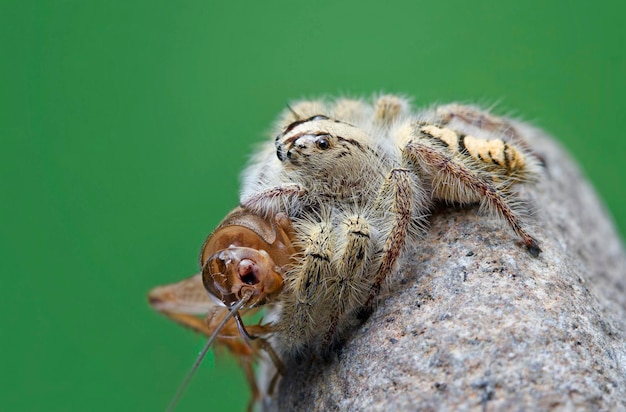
{"x": 471, "y": 321}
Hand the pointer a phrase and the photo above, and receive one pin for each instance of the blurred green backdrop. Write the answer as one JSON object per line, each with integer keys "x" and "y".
{"x": 124, "y": 126}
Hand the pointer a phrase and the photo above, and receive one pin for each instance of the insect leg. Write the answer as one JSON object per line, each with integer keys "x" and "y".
{"x": 182, "y": 301}
{"x": 260, "y": 342}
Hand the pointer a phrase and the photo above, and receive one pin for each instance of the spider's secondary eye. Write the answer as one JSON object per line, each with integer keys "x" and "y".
{"x": 319, "y": 117}
{"x": 323, "y": 144}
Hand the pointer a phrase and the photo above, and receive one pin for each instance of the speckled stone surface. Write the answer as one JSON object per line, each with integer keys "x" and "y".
{"x": 471, "y": 321}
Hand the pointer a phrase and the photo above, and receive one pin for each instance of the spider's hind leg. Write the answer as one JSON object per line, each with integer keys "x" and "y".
{"x": 466, "y": 173}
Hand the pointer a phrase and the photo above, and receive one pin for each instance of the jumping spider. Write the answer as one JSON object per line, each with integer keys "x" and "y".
{"x": 357, "y": 180}
{"x": 326, "y": 210}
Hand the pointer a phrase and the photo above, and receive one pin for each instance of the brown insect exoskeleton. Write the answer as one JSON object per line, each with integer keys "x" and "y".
{"x": 242, "y": 262}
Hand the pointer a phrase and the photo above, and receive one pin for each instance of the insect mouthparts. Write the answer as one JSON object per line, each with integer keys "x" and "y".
{"x": 248, "y": 272}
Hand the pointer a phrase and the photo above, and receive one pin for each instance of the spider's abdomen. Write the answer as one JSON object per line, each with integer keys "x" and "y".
{"x": 493, "y": 153}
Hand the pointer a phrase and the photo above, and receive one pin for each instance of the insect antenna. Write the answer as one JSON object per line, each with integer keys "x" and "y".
{"x": 234, "y": 311}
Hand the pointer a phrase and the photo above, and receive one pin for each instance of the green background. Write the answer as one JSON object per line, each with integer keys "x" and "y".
{"x": 124, "y": 126}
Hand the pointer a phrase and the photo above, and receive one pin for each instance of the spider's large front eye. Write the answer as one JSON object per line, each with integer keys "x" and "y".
{"x": 322, "y": 143}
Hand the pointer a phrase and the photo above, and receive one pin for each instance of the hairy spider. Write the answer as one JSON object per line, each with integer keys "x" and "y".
{"x": 357, "y": 180}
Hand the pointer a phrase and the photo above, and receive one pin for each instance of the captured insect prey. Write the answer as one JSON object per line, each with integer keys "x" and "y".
{"x": 242, "y": 264}
{"x": 328, "y": 206}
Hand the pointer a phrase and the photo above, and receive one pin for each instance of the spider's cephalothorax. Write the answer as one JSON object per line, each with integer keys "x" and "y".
{"x": 331, "y": 158}
{"x": 357, "y": 180}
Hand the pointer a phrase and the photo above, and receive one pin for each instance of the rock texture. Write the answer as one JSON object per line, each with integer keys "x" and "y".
{"x": 471, "y": 321}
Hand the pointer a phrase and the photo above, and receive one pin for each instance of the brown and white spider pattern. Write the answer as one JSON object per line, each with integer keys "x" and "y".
{"x": 358, "y": 180}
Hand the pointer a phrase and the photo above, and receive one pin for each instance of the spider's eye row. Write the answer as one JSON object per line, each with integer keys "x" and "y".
{"x": 323, "y": 143}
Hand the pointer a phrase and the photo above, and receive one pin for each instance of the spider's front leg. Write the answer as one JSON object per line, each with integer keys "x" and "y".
{"x": 398, "y": 195}
{"x": 269, "y": 202}
{"x": 305, "y": 301}
{"x": 334, "y": 278}
{"x": 348, "y": 287}
{"x": 467, "y": 173}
